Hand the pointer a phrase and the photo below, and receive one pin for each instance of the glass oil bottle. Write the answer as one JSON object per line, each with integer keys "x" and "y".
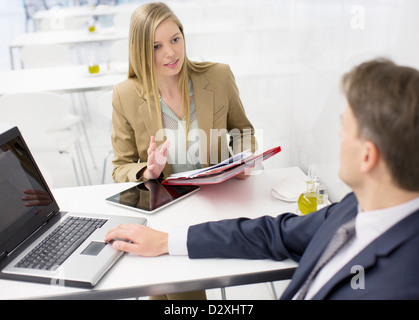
{"x": 307, "y": 202}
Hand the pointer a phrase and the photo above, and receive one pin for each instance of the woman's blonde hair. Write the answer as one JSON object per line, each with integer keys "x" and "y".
{"x": 144, "y": 22}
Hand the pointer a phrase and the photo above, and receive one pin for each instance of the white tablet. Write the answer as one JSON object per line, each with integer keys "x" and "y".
{"x": 150, "y": 196}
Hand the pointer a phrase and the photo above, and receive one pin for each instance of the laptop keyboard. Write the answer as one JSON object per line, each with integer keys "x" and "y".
{"x": 51, "y": 252}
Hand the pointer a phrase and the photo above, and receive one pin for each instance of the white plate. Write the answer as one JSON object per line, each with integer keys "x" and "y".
{"x": 289, "y": 189}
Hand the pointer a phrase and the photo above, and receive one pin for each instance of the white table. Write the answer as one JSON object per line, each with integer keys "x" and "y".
{"x": 66, "y": 37}
{"x": 65, "y": 79}
{"x": 135, "y": 276}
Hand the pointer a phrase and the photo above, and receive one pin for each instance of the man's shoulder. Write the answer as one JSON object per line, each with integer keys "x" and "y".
{"x": 349, "y": 198}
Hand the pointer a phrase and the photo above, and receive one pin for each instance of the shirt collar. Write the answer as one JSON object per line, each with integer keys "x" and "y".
{"x": 375, "y": 222}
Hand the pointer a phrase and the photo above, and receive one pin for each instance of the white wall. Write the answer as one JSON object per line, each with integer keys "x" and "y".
{"x": 288, "y": 57}
{"x": 12, "y": 22}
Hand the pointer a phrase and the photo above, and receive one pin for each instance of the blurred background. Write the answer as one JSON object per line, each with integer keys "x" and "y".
{"x": 287, "y": 56}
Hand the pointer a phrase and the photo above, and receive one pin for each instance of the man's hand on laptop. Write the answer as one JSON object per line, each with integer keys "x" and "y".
{"x": 139, "y": 240}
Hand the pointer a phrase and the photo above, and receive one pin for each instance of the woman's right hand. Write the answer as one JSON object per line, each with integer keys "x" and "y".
{"x": 156, "y": 159}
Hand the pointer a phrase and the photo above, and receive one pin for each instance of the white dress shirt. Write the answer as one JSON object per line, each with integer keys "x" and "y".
{"x": 369, "y": 225}
{"x": 177, "y": 242}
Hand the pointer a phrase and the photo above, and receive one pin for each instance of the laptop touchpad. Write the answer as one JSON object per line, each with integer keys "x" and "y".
{"x": 94, "y": 248}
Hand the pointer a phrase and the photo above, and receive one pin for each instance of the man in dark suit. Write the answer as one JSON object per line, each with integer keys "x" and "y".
{"x": 379, "y": 160}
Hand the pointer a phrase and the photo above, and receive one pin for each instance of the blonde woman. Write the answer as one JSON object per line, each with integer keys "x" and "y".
{"x": 172, "y": 114}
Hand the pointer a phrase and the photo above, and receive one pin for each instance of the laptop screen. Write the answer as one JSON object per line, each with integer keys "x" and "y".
{"x": 25, "y": 200}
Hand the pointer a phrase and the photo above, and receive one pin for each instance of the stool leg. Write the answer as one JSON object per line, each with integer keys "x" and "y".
{"x": 223, "y": 294}
{"x": 274, "y": 291}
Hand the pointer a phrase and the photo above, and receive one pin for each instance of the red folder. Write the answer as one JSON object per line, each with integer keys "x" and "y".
{"x": 223, "y": 173}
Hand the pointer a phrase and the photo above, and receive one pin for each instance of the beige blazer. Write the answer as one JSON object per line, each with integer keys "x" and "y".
{"x": 218, "y": 107}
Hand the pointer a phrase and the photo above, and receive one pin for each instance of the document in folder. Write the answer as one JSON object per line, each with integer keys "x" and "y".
{"x": 222, "y": 171}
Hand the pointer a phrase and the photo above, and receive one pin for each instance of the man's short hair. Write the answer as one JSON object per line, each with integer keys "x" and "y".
{"x": 384, "y": 98}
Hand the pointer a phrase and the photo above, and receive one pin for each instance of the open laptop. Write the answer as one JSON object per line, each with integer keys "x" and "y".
{"x": 38, "y": 242}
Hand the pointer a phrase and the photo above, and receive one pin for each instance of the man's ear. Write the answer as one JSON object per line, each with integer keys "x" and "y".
{"x": 370, "y": 157}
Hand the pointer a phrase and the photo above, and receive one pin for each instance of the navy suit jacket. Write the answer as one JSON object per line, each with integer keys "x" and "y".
{"x": 390, "y": 263}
